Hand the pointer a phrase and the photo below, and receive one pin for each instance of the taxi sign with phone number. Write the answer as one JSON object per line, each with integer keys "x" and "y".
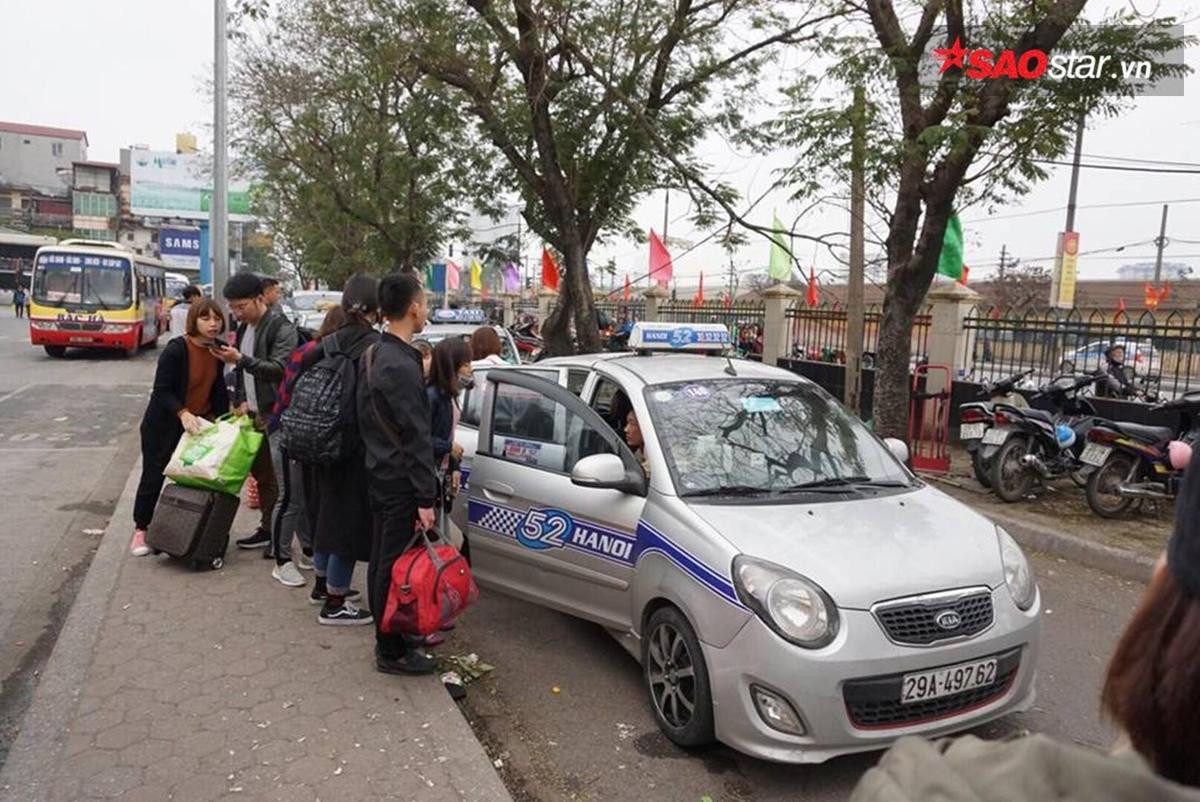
{"x": 676, "y": 337}
{"x": 458, "y": 316}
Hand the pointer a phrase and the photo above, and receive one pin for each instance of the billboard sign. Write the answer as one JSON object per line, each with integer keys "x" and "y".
{"x": 180, "y": 247}
{"x": 1066, "y": 264}
{"x": 167, "y": 184}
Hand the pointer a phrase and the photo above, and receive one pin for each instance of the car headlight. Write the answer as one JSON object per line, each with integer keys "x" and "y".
{"x": 117, "y": 328}
{"x": 794, "y": 607}
{"x": 43, "y": 325}
{"x": 1017, "y": 573}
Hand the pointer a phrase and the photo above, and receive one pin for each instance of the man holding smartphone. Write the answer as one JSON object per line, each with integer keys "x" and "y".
{"x": 265, "y": 340}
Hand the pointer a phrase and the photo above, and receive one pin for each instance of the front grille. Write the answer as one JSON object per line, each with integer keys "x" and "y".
{"x": 80, "y": 325}
{"x": 875, "y": 703}
{"x": 916, "y": 622}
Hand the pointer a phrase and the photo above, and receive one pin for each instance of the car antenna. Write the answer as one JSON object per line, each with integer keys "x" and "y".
{"x": 729, "y": 369}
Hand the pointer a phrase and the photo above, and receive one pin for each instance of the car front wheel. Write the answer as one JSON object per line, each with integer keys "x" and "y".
{"x": 677, "y": 678}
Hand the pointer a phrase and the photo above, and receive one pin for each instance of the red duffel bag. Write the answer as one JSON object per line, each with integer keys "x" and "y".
{"x": 431, "y": 586}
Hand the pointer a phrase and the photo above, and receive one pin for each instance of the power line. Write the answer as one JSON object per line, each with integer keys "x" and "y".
{"x": 1140, "y": 161}
{"x": 1120, "y": 168}
{"x": 1082, "y": 206}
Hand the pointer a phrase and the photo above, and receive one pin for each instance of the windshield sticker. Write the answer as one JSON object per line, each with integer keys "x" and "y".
{"x": 761, "y": 403}
{"x": 663, "y": 395}
{"x": 697, "y": 392}
{"x": 522, "y": 451}
{"x": 546, "y": 528}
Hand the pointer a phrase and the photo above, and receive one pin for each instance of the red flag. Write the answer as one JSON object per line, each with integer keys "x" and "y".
{"x": 483, "y": 291}
{"x": 1120, "y": 310}
{"x": 628, "y": 291}
{"x": 661, "y": 269}
{"x": 728, "y": 300}
{"x": 813, "y": 299}
{"x": 699, "y": 299}
{"x": 549, "y": 270}
{"x": 1165, "y": 292}
{"x": 1152, "y": 297}
{"x": 966, "y": 273}
{"x": 452, "y": 282}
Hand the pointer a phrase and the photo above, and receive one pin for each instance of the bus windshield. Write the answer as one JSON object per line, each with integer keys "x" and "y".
{"x": 82, "y": 280}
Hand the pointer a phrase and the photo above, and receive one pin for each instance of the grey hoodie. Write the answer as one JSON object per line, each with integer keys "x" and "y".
{"x": 1032, "y": 768}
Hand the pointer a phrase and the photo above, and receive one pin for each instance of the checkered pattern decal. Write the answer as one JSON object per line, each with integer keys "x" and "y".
{"x": 500, "y": 520}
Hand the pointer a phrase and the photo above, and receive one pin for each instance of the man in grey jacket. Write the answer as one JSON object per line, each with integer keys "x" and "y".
{"x": 265, "y": 340}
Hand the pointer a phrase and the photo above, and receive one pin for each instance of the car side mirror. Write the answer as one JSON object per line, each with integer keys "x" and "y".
{"x": 898, "y": 448}
{"x": 605, "y": 471}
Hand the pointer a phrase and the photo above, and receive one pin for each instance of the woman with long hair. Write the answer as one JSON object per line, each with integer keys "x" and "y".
{"x": 338, "y": 506}
{"x": 189, "y": 388}
{"x": 450, "y": 373}
{"x": 486, "y": 347}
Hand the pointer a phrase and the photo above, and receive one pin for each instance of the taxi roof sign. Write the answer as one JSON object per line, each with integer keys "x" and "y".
{"x": 458, "y": 316}
{"x": 705, "y": 337}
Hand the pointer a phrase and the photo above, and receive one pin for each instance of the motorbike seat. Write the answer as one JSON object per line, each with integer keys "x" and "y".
{"x": 1149, "y": 434}
{"x": 1038, "y": 414}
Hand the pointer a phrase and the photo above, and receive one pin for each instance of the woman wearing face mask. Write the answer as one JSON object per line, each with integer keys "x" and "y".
{"x": 449, "y": 374}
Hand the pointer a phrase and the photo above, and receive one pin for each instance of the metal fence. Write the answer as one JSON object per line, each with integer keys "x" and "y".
{"x": 623, "y": 311}
{"x": 731, "y": 315}
{"x": 1161, "y": 346}
{"x": 819, "y": 332}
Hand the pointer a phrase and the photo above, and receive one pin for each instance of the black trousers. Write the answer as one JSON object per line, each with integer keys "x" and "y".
{"x": 157, "y": 448}
{"x": 394, "y": 531}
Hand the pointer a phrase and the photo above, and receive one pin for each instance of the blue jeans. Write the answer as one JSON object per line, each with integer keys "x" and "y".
{"x": 337, "y": 570}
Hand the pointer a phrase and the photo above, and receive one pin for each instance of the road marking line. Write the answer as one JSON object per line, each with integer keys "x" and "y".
{"x": 20, "y": 389}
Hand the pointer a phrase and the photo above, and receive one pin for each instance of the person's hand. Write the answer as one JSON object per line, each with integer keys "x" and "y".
{"x": 456, "y": 451}
{"x": 191, "y": 423}
{"x": 227, "y": 353}
{"x": 455, "y": 482}
{"x": 425, "y": 519}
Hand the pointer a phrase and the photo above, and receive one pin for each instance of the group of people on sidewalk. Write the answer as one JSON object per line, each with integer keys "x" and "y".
{"x": 371, "y": 505}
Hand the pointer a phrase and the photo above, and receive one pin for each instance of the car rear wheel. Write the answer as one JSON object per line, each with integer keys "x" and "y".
{"x": 56, "y": 351}
{"x": 1011, "y": 479}
{"x": 677, "y": 678}
{"x": 1102, "y": 486}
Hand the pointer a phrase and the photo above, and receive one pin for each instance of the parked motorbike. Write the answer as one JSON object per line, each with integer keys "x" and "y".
{"x": 1133, "y": 462}
{"x": 975, "y": 418}
{"x": 529, "y": 345}
{"x": 1025, "y": 446}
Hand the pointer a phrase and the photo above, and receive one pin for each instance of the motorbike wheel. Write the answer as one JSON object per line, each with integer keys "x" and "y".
{"x": 1011, "y": 480}
{"x": 1102, "y": 487}
{"x": 983, "y": 471}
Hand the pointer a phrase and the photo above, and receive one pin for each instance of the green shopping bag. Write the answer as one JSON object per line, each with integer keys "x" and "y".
{"x": 218, "y": 457}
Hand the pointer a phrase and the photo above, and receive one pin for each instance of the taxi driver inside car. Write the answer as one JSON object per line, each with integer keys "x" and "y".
{"x": 790, "y": 588}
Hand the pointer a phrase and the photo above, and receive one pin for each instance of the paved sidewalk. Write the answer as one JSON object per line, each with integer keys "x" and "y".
{"x": 172, "y": 684}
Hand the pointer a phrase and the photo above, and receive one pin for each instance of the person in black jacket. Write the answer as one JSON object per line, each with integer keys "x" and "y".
{"x": 394, "y": 418}
{"x": 339, "y": 509}
{"x": 188, "y": 387}
{"x": 265, "y": 341}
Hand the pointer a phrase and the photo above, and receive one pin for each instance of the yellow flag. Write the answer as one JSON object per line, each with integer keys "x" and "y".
{"x": 476, "y": 275}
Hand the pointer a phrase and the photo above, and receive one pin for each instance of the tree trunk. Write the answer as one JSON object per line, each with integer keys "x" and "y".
{"x": 575, "y": 305}
{"x": 893, "y": 379}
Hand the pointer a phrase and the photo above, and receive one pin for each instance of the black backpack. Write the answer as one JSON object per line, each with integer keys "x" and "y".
{"x": 318, "y": 426}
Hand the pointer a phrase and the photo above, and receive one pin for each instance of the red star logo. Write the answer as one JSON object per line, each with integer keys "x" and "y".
{"x": 951, "y": 56}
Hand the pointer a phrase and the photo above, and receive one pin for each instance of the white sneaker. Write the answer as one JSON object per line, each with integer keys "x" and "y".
{"x": 287, "y": 574}
{"x": 304, "y": 562}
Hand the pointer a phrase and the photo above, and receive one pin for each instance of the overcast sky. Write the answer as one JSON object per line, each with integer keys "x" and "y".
{"x": 130, "y": 72}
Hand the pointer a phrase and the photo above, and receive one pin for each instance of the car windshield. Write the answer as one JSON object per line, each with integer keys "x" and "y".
{"x": 96, "y": 282}
{"x": 320, "y": 301}
{"x": 746, "y": 436}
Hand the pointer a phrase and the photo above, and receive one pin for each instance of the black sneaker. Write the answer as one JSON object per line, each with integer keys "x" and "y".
{"x": 318, "y": 595}
{"x": 258, "y": 540}
{"x": 411, "y": 663}
{"x": 346, "y": 614}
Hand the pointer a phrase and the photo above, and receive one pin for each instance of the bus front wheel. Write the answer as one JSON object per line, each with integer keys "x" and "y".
{"x": 132, "y": 351}
{"x": 56, "y": 351}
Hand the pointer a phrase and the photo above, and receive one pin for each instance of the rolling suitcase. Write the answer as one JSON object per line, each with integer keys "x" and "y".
{"x": 193, "y": 525}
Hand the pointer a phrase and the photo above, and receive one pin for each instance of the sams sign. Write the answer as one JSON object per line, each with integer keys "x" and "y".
{"x": 180, "y": 247}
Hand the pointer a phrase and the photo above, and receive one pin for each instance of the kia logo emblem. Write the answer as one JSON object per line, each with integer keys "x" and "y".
{"x": 948, "y": 619}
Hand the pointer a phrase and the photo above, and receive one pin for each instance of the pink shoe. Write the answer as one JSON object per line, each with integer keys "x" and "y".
{"x": 434, "y": 640}
{"x": 138, "y": 547}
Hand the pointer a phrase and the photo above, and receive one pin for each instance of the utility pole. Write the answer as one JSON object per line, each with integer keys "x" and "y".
{"x": 666, "y": 214}
{"x": 1161, "y": 242}
{"x": 1003, "y": 260}
{"x": 1056, "y": 280}
{"x": 855, "y": 313}
{"x": 219, "y": 218}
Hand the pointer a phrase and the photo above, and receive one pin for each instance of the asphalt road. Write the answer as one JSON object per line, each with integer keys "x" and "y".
{"x": 67, "y": 443}
{"x": 595, "y": 738}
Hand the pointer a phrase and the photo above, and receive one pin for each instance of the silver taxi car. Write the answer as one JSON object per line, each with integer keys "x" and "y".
{"x": 445, "y": 323}
{"x": 788, "y": 586}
